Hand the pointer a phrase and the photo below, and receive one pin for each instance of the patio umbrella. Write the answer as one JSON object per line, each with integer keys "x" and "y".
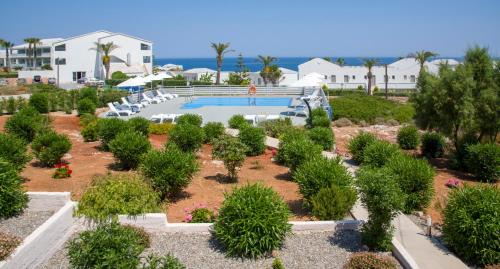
{"x": 309, "y": 80}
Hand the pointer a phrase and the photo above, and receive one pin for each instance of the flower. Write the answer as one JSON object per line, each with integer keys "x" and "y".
{"x": 188, "y": 218}
{"x": 452, "y": 183}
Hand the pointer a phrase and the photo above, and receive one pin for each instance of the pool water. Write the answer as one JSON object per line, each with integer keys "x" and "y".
{"x": 237, "y": 101}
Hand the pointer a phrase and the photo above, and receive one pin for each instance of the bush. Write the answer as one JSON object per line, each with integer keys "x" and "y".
{"x": 483, "y": 160}
{"x": 415, "y": 178}
{"x": 169, "y": 170}
{"x": 318, "y": 173}
{"x": 85, "y": 106}
{"x": 471, "y": 223}
{"x": 108, "y": 246}
{"x": 408, "y": 137}
{"x": 237, "y": 122}
{"x": 119, "y": 75}
{"x": 253, "y": 221}
{"x": 369, "y": 260}
{"x": 277, "y": 264}
{"x": 276, "y": 128}
{"x": 13, "y": 198}
{"x": 89, "y": 93}
{"x": 193, "y": 119}
{"x": 232, "y": 152}
{"x": 128, "y": 147}
{"x": 107, "y": 129}
{"x": 433, "y": 145}
{"x": 212, "y": 131}
{"x": 112, "y": 195}
{"x": 378, "y": 153}
{"x": 49, "y": 147}
{"x": 160, "y": 128}
{"x": 14, "y": 151}
{"x": 86, "y": 119}
{"x": 8, "y": 244}
{"x": 187, "y": 137}
{"x": 90, "y": 132}
{"x": 201, "y": 215}
{"x": 333, "y": 202}
{"x": 383, "y": 199}
{"x": 140, "y": 125}
{"x": 40, "y": 102}
{"x": 11, "y": 105}
{"x": 253, "y": 138}
{"x": 358, "y": 144}
{"x": 164, "y": 262}
{"x": 321, "y": 122}
{"x": 322, "y": 136}
{"x": 26, "y": 123}
{"x": 294, "y": 149}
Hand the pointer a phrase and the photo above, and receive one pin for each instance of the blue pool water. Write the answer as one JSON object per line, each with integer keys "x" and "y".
{"x": 237, "y": 101}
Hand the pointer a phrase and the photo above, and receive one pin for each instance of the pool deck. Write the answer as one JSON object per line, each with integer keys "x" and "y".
{"x": 217, "y": 113}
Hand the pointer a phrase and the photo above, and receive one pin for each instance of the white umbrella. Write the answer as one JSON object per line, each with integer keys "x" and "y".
{"x": 148, "y": 78}
{"x": 309, "y": 80}
{"x": 133, "y": 82}
{"x": 161, "y": 76}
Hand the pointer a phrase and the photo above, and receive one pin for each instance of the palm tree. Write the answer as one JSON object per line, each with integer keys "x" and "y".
{"x": 370, "y": 63}
{"x": 36, "y": 41}
{"x": 340, "y": 61}
{"x": 29, "y": 40}
{"x": 421, "y": 57}
{"x": 105, "y": 49}
{"x": 266, "y": 62}
{"x": 220, "y": 49}
{"x": 8, "y": 46}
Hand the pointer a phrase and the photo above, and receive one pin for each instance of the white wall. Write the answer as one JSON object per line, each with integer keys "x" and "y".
{"x": 130, "y": 46}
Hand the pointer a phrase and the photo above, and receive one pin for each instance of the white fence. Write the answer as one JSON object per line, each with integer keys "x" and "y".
{"x": 233, "y": 90}
{"x": 391, "y": 86}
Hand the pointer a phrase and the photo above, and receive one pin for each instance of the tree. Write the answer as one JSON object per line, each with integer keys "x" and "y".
{"x": 8, "y": 47}
{"x": 35, "y": 41}
{"x": 240, "y": 77}
{"x": 105, "y": 49}
{"x": 328, "y": 59}
{"x": 421, "y": 57}
{"x": 274, "y": 74}
{"x": 29, "y": 51}
{"x": 340, "y": 61}
{"x": 220, "y": 49}
{"x": 266, "y": 62}
{"x": 370, "y": 63}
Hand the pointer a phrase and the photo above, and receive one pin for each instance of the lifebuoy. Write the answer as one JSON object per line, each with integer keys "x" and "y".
{"x": 252, "y": 90}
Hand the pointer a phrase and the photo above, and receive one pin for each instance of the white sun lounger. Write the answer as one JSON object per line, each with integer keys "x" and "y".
{"x": 121, "y": 113}
{"x": 165, "y": 118}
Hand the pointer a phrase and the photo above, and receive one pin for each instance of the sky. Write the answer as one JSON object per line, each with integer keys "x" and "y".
{"x": 282, "y": 28}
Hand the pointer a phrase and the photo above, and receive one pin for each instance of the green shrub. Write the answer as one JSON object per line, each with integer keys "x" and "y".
{"x": 140, "y": 125}
{"x": 321, "y": 122}
{"x": 167, "y": 261}
{"x": 322, "y": 136}
{"x": 160, "y": 128}
{"x": 112, "y": 195}
{"x": 119, "y": 75}
{"x": 408, "y": 137}
{"x": 49, "y": 147}
{"x": 460, "y": 155}
{"x": 253, "y": 221}
{"x": 202, "y": 215}
{"x": 333, "y": 202}
{"x": 86, "y": 106}
{"x": 169, "y": 170}
{"x": 277, "y": 264}
{"x": 358, "y": 144}
{"x": 110, "y": 96}
{"x": 276, "y": 128}
{"x": 86, "y": 119}
{"x": 253, "y": 138}
{"x": 471, "y": 223}
{"x": 14, "y": 151}
{"x": 8, "y": 245}
{"x": 187, "y": 136}
{"x": 11, "y": 105}
{"x": 108, "y": 246}
{"x": 26, "y": 123}
{"x": 232, "y": 152}
{"x": 483, "y": 160}
{"x": 107, "y": 129}
{"x": 237, "y": 122}
{"x": 193, "y": 119}
{"x": 212, "y": 131}
{"x": 13, "y": 198}
{"x": 415, "y": 178}
{"x": 90, "y": 132}
{"x": 433, "y": 145}
{"x": 295, "y": 149}
{"x": 383, "y": 199}
{"x": 128, "y": 147}
{"x": 369, "y": 260}
{"x": 378, "y": 153}
{"x": 89, "y": 93}
{"x": 40, "y": 102}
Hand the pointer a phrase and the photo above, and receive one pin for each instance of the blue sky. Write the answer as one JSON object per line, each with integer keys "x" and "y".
{"x": 273, "y": 27}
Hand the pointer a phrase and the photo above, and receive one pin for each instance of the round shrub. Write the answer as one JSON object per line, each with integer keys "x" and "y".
{"x": 187, "y": 137}
{"x": 90, "y": 132}
{"x": 89, "y": 93}
{"x": 237, "y": 122}
{"x": 128, "y": 147}
{"x": 201, "y": 215}
{"x": 40, "y": 101}
{"x": 8, "y": 244}
{"x": 252, "y": 221}
{"x": 112, "y": 195}
{"x": 415, "y": 178}
{"x": 471, "y": 223}
{"x": 108, "y": 246}
{"x": 232, "y": 152}
{"x": 160, "y": 128}
{"x": 408, "y": 137}
{"x": 85, "y": 106}
{"x": 212, "y": 131}
{"x": 378, "y": 153}
{"x": 26, "y": 123}
{"x": 276, "y": 128}
{"x": 253, "y": 138}
{"x": 322, "y": 136}
{"x": 321, "y": 122}
{"x": 13, "y": 150}
{"x": 169, "y": 170}
{"x": 107, "y": 129}
{"x": 49, "y": 147}
{"x": 369, "y": 260}
{"x": 483, "y": 160}
{"x": 140, "y": 125}
{"x": 13, "y": 198}
{"x": 86, "y": 119}
{"x": 358, "y": 144}
{"x": 277, "y": 264}
{"x": 193, "y": 119}
{"x": 333, "y": 203}
{"x": 433, "y": 145}
{"x": 296, "y": 149}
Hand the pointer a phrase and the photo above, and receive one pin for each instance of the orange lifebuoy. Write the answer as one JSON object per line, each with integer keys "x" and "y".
{"x": 252, "y": 90}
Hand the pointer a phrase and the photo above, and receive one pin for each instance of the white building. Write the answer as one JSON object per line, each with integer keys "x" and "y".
{"x": 21, "y": 58}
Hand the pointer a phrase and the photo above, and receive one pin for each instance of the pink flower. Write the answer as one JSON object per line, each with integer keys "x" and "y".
{"x": 452, "y": 183}
{"x": 186, "y": 209}
{"x": 188, "y": 218}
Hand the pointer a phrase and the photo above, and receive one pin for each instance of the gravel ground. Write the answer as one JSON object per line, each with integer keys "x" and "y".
{"x": 24, "y": 224}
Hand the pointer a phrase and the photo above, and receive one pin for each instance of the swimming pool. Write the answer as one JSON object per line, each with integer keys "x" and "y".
{"x": 237, "y": 101}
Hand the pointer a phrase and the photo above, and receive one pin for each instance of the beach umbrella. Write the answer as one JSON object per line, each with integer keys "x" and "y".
{"x": 309, "y": 80}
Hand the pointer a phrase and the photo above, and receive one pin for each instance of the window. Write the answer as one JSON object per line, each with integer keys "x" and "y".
{"x": 405, "y": 77}
{"x": 78, "y": 75}
{"x": 326, "y": 77}
{"x": 145, "y": 47}
{"x": 333, "y": 78}
{"x": 353, "y": 77}
{"x": 393, "y": 77}
{"x": 366, "y": 77}
{"x": 146, "y": 59}
{"x": 346, "y": 79}
{"x": 13, "y": 61}
{"x": 60, "y": 61}
{"x": 46, "y": 50}
{"x": 60, "y": 47}
{"x": 412, "y": 78}
{"x": 22, "y": 61}
{"x": 23, "y": 51}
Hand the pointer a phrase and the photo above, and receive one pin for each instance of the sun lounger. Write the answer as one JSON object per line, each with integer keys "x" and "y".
{"x": 121, "y": 113}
